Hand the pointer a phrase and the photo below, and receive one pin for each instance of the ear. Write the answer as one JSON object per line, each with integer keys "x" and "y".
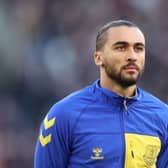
{"x": 98, "y": 58}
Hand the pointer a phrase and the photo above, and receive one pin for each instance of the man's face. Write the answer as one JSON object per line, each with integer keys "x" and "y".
{"x": 123, "y": 56}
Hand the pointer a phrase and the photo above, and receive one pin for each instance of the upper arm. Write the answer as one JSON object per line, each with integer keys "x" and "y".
{"x": 53, "y": 144}
{"x": 163, "y": 156}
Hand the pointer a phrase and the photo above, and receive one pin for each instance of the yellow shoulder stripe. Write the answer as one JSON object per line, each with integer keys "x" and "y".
{"x": 49, "y": 123}
{"x": 45, "y": 140}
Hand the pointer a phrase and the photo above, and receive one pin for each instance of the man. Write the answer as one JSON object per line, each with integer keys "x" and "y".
{"x": 111, "y": 123}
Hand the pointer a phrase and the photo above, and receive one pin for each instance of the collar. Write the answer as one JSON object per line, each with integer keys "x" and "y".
{"x": 108, "y": 95}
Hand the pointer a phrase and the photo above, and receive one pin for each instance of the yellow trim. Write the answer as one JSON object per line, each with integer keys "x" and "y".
{"x": 45, "y": 140}
{"x": 141, "y": 151}
{"x": 48, "y": 123}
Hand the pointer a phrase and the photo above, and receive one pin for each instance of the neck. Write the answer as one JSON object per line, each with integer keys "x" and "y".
{"x": 115, "y": 87}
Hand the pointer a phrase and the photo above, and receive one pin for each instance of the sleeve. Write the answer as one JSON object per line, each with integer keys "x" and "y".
{"x": 163, "y": 158}
{"x": 54, "y": 141}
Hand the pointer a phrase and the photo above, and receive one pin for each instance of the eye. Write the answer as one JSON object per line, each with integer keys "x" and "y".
{"x": 139, "y": 49}
{"x": 120, "y": 48}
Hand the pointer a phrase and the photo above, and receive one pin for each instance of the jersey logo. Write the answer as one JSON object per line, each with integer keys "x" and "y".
{"x": 97, "y": 154}
{"x": 150, "y": 155}
{"x": 44, "y": 140}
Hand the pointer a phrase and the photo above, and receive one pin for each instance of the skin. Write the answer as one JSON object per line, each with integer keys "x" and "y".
{"x": 121, "y": 60}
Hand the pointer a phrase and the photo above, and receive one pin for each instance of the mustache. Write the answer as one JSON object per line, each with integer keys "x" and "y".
{"x": 132, "y": 64}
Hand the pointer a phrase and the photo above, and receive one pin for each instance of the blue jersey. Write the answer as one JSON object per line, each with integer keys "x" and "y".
{"x": 96, "y": 128}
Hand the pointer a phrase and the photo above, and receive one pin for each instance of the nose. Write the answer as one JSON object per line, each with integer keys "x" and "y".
{"x": 131, "y": 55}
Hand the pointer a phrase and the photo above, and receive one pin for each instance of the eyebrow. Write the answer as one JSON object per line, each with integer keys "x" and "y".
{"x": 126, "y": 43}
{"x": 140, "y": 44}
{"x": 120, "y": 43}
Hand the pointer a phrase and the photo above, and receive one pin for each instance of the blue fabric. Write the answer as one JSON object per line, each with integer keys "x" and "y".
{"x": 90, "y": 126}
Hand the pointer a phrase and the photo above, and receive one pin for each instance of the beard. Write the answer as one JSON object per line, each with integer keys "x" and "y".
{"x": 120, "y": 78}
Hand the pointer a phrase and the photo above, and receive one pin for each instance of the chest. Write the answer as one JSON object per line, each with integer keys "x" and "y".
{"x": 109, "y": 137}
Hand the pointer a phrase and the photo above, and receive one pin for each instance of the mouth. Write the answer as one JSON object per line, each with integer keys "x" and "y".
{"x": 131, "y": 67}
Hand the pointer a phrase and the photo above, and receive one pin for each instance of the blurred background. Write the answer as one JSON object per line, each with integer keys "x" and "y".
{"x": 46, "y": 52}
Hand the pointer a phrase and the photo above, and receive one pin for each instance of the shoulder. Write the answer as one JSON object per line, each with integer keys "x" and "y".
{"x": 70, "y": 107}
{"x": 150, "y": 98}
{"x": 154, "y": 103}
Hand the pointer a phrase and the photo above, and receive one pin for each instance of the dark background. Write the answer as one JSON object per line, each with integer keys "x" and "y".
{"x": 46, "y": 52}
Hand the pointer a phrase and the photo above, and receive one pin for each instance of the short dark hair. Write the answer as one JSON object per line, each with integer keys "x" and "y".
{"x": 101, "y": 36}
